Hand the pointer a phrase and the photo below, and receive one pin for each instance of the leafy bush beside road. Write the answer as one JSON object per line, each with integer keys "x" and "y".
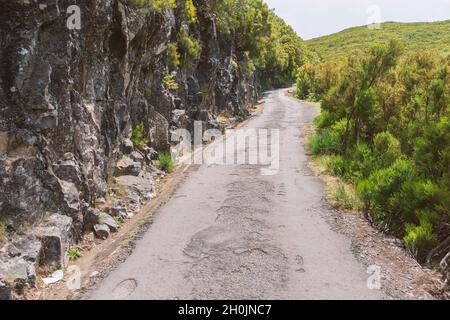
{"x": 385, "y": 125}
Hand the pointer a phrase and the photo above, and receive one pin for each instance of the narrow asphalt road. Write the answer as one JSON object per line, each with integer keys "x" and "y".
{"x": 231, "y": 233}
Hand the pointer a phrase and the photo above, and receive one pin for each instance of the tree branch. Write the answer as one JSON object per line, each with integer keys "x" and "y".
{"x": 436, "y": 250}
{"x": 444, "y": 262}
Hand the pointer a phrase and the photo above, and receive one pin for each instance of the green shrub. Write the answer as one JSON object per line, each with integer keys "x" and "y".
{"x": 148, "y": 92}
{"x": 248, "y": 68}
{"x": 391, "y": 112}
{"x": 138, "y": 137}
{"x": 387, "y": 149}
{"x": 169, "y": 82}
{"x": 420, "y": 239}
{"x": 166, "y": 162}
{"x": 325, "y": 119}
{"x": 360, "y": 163}
{"x": 340, "y": 127}
{"x": 173, "y": 55}
{"x": 155, "y": 5}
{"x": 190, "y": 48}
{"x": 337, "y": 165}
{"x": 74, "y": 253}
{"x": 118, "y": 221}
{"x": 325, "y": 141}
{"x": 234, "y": 65}
{"x": 301, "y": 89}
{"x": 190, "y": 11}
{"x": 432, "y": 149}
{"x": 381, "y": 191}
{"x": 345, "y": 198}
{"x": 2, "y": 230}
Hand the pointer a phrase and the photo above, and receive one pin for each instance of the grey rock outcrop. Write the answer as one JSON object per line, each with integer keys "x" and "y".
{"x": 128, "y": 166}
{"x": 69, "y": 100}
{"x": 18, "y": 270}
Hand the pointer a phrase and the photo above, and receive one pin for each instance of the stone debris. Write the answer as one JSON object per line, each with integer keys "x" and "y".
{"x": 91, "y": 217}
{"x": 56, "y": 276}
{"x": 119, "y": 212}
{"x": 142, "y": 185}
{"x": 102, "y": 231}
{"x": 137, "y": 157}
{"x": 106, "y": 219}
{"x": 127, "y": 146}
{"x": 134, "y": 204}
{"x": 128, "y": 166}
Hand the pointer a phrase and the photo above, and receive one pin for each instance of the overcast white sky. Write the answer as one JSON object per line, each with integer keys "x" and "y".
{"x": 313, "y": 18}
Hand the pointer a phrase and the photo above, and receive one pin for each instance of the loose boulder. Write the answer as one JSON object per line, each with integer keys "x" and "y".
{"x": 54, "y": 233}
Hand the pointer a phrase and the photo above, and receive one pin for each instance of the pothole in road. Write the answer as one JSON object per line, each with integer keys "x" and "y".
{"x": 124, "y": 288}
{"x": 282, "y": 191}
{"x": 300, "y": 261}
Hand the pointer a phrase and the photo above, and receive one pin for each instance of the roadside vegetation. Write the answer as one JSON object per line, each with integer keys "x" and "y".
{"x": 138, "y": 137}
{"x": 385, "y": 130}
{"x": 264, "y": 45}
{"x": 166, "y": 162}
{"x": 170, "y": 83}
{"x": 74, "y": 254}
{"x": 2, "y": 230}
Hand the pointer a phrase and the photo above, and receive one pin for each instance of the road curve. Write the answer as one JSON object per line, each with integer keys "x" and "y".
{"x": 231, "y": 233}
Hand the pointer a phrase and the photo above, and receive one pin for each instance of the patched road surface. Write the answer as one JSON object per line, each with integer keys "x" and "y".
{"x": 231, "y": 233}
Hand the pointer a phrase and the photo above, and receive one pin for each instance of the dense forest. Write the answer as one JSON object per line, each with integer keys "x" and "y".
{"x": 431, "y": 35}
{"x": 385, "y": 129}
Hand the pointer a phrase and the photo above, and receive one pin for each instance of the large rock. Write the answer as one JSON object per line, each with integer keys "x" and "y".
{"x": 120, "y": 212}
{"x": 128, "y": 167}
{"x": 133, "y": 203}
{"x": 137, "y": 157}
{"x": 54, "y": 234}
{"x": 71, "y": 198}
{"x": 91, "y": 218}
{"x": 159, "y": 133}
{"x": 27, "y": 247}
{"x": 101, "y": 231}
{"x": 109, "y": 221}
{"x": 142, "y": 185}
{"x": 69, "y": 170}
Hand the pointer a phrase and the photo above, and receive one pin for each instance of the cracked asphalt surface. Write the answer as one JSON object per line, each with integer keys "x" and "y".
{"x": 231, "y": 233}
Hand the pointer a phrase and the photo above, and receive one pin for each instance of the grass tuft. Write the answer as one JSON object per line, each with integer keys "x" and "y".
{"x": 74, "y": 254}
{"x": 166, "y": 162}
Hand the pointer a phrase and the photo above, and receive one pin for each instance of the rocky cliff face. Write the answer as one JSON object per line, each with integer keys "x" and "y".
{"x": 69, "y": 100}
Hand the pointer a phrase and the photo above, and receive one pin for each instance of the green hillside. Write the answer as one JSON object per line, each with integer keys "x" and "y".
{"x": 429, "y": 35}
